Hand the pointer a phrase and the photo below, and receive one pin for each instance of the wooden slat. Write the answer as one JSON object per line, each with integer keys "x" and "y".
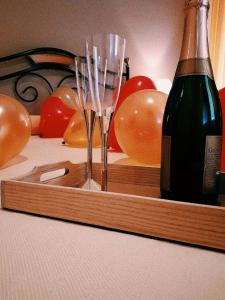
{"x": 76, "y": 173}
{"x": 144, "y": 176}
{"x": 192, "y": 223}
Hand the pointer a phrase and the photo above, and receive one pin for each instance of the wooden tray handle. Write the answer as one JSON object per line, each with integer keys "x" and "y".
{"x": 69, "y": 174}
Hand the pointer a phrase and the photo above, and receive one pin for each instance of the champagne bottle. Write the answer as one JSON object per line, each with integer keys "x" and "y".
{"x": 192, "y": 122}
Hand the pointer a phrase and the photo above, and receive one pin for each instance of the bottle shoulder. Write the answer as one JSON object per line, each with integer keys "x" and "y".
{"x": 193, "y": 88}
{"x": 193, "y": 104}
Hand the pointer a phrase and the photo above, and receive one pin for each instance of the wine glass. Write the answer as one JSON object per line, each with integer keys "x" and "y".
{"x": 105, "y": 59}
{"x": 89, "y": 115}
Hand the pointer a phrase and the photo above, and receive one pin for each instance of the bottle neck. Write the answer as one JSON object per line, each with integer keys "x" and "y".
{"x": 194, "y": 57}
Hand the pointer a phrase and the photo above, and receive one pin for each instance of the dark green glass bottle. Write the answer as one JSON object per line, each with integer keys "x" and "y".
{"x": 192, "y": 123}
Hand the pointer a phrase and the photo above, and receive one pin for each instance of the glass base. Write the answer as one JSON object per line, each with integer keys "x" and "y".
{"x": 90, "y": 184}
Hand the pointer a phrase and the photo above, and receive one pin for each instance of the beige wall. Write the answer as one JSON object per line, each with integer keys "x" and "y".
{"x": 153, "y": 28}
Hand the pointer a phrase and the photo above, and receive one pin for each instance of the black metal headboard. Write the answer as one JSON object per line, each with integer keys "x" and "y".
{"x": 46, "y": 66}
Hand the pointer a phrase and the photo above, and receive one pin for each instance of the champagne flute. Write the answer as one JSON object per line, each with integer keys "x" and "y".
{"x": 89, "y": 115}
{"x": 105, "y": 59}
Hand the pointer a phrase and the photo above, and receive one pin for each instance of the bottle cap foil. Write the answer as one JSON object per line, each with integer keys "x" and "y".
{"x": 196, "y": 3}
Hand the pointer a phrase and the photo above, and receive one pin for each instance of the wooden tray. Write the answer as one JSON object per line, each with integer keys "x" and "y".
{"x": 132, "y": 203}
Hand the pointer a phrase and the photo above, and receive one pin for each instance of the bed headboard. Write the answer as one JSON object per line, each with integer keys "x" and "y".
{"x": 31, "y": 75}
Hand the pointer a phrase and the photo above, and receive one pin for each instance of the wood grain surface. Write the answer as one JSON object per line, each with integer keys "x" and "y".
{"x": 118, "y": 209}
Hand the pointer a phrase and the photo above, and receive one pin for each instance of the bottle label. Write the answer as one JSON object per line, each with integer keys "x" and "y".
{"x": 165, "y": 163}
{"x": 194, "y": 66}
{"x": 213, "y": 148}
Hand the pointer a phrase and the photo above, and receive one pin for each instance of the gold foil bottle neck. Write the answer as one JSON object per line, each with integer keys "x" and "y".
{"x": 194, "y": 57}
{"x": 196, "y": 3}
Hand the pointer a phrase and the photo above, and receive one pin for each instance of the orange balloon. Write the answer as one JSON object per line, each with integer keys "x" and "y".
{"x": 75, "y": 134}
{"x": 15, "y": 128}
{"x": 67, "y": 95}
{"x": 138, "y": 125}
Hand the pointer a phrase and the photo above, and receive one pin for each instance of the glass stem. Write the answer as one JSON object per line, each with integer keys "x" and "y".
{"x": 104, "y": 125}
{"x": 104, "y": 185}
{"x": 89, "y": 118}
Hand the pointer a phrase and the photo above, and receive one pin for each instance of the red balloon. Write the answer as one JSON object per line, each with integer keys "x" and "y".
{"x": 55, "y": 117}
{"x": 131, "y": 86}
{"x": 222, "y": 101}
